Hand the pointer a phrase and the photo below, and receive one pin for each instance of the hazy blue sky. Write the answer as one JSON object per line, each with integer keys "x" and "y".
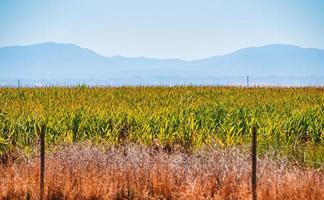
{"x": 164, "y": 29}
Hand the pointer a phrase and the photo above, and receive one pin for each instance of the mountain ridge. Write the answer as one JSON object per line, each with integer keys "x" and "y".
{"x": 66, "y": 60}
{"x": 232, "y": 52}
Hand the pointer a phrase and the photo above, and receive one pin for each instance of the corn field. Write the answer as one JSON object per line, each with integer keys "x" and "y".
{"x": 290, "y": 121}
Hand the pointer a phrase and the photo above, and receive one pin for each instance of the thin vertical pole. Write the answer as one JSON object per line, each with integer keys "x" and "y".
{"x": 247, "y": 81}
{"x": 18, "y": 83}
{"x": 42, "y": 162}
{"x": 254, "y": 163}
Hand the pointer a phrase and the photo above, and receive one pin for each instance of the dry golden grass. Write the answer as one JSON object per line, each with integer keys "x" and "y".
{"x": 137, "y": 172}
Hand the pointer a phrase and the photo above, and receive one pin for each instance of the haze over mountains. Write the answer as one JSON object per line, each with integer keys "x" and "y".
{"x": 271, "y": 64}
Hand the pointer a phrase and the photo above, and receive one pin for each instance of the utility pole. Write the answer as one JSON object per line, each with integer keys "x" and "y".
{"x": 247, "y": 81}
{"x": 18, "y": 83}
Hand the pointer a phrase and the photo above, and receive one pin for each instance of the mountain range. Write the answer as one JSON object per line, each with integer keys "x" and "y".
{"x": 54, "y": 61}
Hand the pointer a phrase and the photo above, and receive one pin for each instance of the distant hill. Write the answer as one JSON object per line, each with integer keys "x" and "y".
{"x": 69, "y": 61}
{"x": 270, "y": 60}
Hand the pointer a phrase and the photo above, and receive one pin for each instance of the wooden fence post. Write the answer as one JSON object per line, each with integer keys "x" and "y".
{"x": 254, "y": 163}
{"x": 42, "y": 162}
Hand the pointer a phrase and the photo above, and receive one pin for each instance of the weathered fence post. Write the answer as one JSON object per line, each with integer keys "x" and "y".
{"x": 42, "y": 162}
{"x": 254, "y": 163}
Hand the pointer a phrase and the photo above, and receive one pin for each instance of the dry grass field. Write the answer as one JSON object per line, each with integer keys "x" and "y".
{"x": 138, "y": 172}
